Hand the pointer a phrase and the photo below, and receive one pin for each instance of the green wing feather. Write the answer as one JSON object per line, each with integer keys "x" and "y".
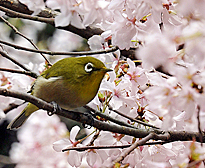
{"x": 22, "y": 117}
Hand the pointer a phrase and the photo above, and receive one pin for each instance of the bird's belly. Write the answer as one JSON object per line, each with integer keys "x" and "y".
{"x": 55, "y": 90}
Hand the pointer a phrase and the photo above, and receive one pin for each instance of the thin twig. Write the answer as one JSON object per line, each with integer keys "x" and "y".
{"x": 195, "y": 163}
{"x": 132, "y": 147}
{"x": 22, "y": 35}
{"x": 199, "y": 124}
{"x": 111, "y": 146}
{"x": 29, "y": 73}
{"x": 132, "y": 119}
{"x": 107, "y": 117}
{"x": 141, "y": 142}
{"x": 4, "y": 54}
{"x": 94, "y": 138}
{"x": 108, "y": 50}
{"x": 10, "y": 107}
{"x": 96, "y": 147}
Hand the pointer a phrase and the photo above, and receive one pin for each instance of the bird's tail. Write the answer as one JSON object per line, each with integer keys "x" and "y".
{"x": 22, "y": 117}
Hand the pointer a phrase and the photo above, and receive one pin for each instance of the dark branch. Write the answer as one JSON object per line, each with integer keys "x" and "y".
{"x": 31, "y": 74}
{"x": 132, "y": 119}
{"x": 107, "y": 117}
{"x": 133, "y": 147}
{"x": 10, "y": 107}
{"x": 85, "y": 33}
{"x": 5, "y": 55}
{"x": 96, "y": 147}
{"x": 112, "y": 146}
{"x": 60, "y": 53}
{"x": 15, "y": 9}
{"x": 86, "y": 119}
{"x": 25, "y": 37}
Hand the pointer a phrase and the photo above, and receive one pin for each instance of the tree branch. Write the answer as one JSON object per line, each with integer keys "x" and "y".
{"x": 141, "y": 142}
{"x": 4, "y": 54}
{"x": 132, "y": 119}
{"x": 111, "y": 146}
{"x": 86, "y": 119}
{"x": 22, "y": 35}
{"x": 31, "y": 74}
{"x": 95, "y": 147}
{"x": 107, "y": 117}
{"x": 85, "y": 33}
{"x": 133, "y": 147}
{"x": 16, "y": 9}
{"x": 60, "y": 53}
{"x": 10, "y": 107}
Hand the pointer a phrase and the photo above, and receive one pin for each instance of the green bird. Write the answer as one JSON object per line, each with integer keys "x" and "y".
{"x": 71, "y": 82}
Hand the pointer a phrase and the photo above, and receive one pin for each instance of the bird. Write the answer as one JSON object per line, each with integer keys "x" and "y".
{"x": 71, "y": 82}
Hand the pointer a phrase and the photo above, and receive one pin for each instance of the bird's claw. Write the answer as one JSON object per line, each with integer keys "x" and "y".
{"x": 55, "y": 109}
{"x": 91, "y": 118}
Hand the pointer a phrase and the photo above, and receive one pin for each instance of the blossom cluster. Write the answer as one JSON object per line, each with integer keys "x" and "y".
{"x": 165, "y": 90}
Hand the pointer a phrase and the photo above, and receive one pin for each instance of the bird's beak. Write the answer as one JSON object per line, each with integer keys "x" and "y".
{"x": 106, "y": 69}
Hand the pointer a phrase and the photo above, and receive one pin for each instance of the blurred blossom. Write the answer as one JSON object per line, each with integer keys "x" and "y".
{"x": 2, "y": 13}
{"x": 35, "y": 140}
{"x": 64, "y": 41}
{"x": 158, "y": 50}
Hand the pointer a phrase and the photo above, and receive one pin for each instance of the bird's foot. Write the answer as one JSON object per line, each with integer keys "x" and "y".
{"x": 56, "y": 108}
{"x": 91, "y": 119}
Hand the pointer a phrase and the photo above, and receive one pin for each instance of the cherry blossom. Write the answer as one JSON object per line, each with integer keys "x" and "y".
{"x": 164, "y": 88}
{"x": 35, "y": 142}
{"x": 69, "y": 13}
{"x": 65, "y": 143}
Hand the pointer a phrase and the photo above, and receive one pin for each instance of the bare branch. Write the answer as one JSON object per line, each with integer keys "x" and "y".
{"x": 96, "y": 147}
{"x": 141, "y": 142}
{"x": 4, "y": 54}
{"x": 61, "y": 53}
{"x": 12, "y": 13}
{"x": 94, "y": 138}
{"x": 22, "y": 35}
{"x": 79, "y": 116}
{"x": 133, "y": 147}
{"x": 111, "y": 146}
{"x": 10, "y": 107}
{"x": 132, "y": 119}
{"x": 199, "y": 124}
{"x": 85, "y": 33}
{"x": 17, "y": 6}
{"x": 107, "y": 117}
{"x": 87, "y": 147}
{"x": 31, "y": 74}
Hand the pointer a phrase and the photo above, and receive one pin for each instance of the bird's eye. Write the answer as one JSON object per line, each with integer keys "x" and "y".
{"x": 89, "y": 67}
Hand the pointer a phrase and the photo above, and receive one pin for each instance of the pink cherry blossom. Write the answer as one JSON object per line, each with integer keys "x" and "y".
{"x": 69, "y": 13}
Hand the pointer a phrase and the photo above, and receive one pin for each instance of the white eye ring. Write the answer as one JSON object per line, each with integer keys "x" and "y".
{"x": 89, "y": 67}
